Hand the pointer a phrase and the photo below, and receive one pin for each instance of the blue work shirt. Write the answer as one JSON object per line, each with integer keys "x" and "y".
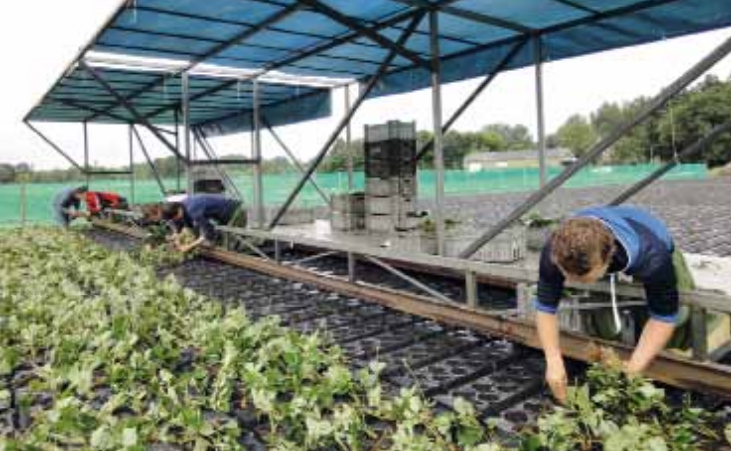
{"x": 644, "y": 251}
{"x": 202, "y": 210}
{"x": 64, "y": 200}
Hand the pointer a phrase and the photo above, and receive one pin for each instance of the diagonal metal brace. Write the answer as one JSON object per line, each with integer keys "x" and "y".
{"x": 346, "y": 120}
{"x": 55, "y": 147}
{"x": 128, "y": 106}
{"x": 353, "y": 24}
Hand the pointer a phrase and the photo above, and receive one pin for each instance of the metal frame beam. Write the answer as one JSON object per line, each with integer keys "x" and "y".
{"x": 218, "y": 48}
{"x": 411, "y": 280}
{"x": 655, "y": 104}
{"x": 137, "y": 116}
{"x": 348, "y": 141}
{"x": 344, "y": 122}
{"x": 151, "y": 163}
{"x": 301, "y": 55}
{"x": 540, "y": 111}
{"x": 469, "y": 15}
{"x": 54, "y": 146}
{"x": 487, "y": 81}
{"x": 256, "y": 151}
{"x": 369, "y": 33}
{"x": 437, "y": 111}
{"x": 86, "y": 153}
{"x": 294, "y": 159}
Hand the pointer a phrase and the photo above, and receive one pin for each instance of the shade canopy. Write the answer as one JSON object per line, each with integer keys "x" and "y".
{"x": 336, "y": 39}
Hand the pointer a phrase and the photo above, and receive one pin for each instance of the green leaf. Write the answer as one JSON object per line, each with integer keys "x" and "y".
{"x": 129, "y": 437}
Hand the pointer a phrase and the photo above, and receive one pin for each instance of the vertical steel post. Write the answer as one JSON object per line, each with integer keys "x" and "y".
{"x": 543, "y": 170}
{"x": 86, "y": 153}
{"x": 352, "y": 262}
{"x": 348, "y": 141}
{"x": 131, "y": 165}
{"x": 178, "y": 167}
{"x": 437, "y": 122}
{"x": 23, "y": 200}
{"x": 185, "y": 81}
{"x": 471, "y": 289}
{"x": 256, "y": 154}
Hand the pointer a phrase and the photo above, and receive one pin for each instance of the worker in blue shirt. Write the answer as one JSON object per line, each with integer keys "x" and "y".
{"x": 609, "y": 240}
{"x": 66, "y": 205}
{"x": 199, "y": 212}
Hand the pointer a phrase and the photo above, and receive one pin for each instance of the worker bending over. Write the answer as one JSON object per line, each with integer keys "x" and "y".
{"x": 609, "y": 240}
{"x": 199, "y": 212}
{"x": 66, "y": 204}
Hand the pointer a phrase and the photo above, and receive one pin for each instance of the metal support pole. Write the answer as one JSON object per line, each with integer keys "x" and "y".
{"x": 294, "y": 159}
{"x": 651, "y": 107}
{"x": 178, "y": 166}
{"x": 86, "y": 153}
{"x": 689, "y": 151}
{"x": 473, "y": 96}
{"x": 185, "y": 93}
{"x": 348, "y": 142}
{"x": 699, "y": 337}
{"x": 344, "y": 122}
{"x": 543, "y": 170}
{"x": 131, "y": 166}
{"x": 259, "y": 217}
{"x": 277, "y": 251}
{"x": 54, "y": 146}
{"x": 23, "y": 200}
{"x": 438, "y": 136}
{"x": 155, "y": 173}
{"x": 352, "y": 262}
{"x": 471, "y": 288}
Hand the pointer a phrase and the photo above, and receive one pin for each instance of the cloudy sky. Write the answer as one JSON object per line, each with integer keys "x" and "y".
{"x": 38, "y": 39}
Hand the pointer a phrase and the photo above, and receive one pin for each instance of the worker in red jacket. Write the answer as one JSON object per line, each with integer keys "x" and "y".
{"x": 98, "y": 201}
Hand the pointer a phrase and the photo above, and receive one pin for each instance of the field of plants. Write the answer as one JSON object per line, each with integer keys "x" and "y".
{"x": 97, "y": 352}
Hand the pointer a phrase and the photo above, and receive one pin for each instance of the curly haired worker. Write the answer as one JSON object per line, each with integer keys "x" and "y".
{"x": 609, "y": 240}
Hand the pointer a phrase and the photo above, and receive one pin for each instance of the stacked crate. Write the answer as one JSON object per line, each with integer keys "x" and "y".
{"x": 390, "y": 169}
{"x": 348, "y": 212}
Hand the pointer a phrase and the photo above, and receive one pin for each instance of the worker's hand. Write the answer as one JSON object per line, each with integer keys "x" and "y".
{"x": 632, "y": 368}
{"x": 557, "y": 379}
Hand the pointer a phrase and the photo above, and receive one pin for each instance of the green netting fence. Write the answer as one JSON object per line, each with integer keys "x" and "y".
{"x": 277, "y": 187}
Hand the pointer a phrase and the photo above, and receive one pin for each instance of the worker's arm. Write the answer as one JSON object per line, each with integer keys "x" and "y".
{"x": 655, "y": 336}
{"x": 550, "y": 288}
{"x": 548, "y": 334}
{"x": 190, "y": 247}
{"x": 661, "y": 290}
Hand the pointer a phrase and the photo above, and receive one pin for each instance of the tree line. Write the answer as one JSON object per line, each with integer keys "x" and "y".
{"x": 683, "y": 121}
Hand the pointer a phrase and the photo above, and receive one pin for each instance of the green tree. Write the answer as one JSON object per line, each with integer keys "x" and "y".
{"x": 693, "y": 116}
{"x": 7, "y": 173}
{"x": 515, "y": 137}
{"x": 577, "y": 135}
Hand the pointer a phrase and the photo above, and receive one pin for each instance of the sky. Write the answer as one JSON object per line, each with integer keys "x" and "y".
{"x": 39, "y": 38}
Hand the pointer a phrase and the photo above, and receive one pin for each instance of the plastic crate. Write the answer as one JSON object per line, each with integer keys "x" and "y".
{"x": 380, "y": 223}
{"x": 349, "y": 203}
{"x": 347, "y": 222}
{"x": 390, "y": 130}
